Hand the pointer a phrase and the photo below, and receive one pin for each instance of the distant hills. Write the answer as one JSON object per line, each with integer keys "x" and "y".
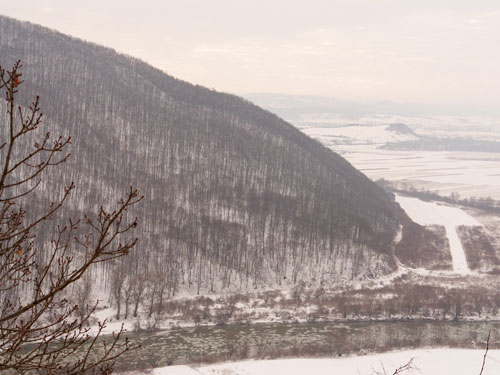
{"x": 400, "y": 128}
{"x": 291, "y": 107}
{"x": 427, "y": 128}
{"x": 235, "y": 197}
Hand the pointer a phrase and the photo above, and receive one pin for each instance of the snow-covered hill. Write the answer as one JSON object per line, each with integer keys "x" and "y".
{"x": 235, "y": 198}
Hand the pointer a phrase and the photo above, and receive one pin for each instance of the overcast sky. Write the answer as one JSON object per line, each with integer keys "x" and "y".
{"x": 426, "y": 51}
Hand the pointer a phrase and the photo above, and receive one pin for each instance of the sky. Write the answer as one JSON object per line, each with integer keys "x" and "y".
{"x": 434, "y": 52}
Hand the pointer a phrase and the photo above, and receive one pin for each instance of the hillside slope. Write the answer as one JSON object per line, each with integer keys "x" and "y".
{"x": 235, "y": 197}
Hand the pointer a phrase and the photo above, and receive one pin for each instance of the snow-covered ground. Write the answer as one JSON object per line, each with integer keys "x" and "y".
{"x": 112, "y": 325}
{"x": 473, "y": 127}
{"x": 467, "y": 173}
{"x": 425, "y": 361}
{"x": 431, "y": 213}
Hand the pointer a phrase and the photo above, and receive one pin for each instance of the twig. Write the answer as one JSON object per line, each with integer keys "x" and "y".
{"x": 485, "y": 353}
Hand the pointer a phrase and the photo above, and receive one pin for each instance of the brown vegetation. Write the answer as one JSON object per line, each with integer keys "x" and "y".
{"x": 423, "y": 247}
{"x": 479, "y": 250}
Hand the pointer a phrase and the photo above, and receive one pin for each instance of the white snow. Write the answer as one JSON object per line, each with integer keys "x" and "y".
{"x": 481, "y": 128}
{"x": 431, "y": 213}
{"x": 458, "y": 259}
{"x": 175, "y": 370}
{"x": 427, "y": 361}
{"x": 112, "y": 325}
{"x": 467, "y": 173}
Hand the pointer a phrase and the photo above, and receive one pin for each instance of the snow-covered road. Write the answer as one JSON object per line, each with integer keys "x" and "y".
{"x": 431, "y": 213}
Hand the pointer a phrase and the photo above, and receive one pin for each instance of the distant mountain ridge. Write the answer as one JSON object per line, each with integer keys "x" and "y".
{"x": 235, "y": 197}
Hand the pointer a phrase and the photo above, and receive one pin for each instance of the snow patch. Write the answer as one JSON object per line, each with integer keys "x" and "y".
{"x": 175, "y": 370}
{"x": 431, "y": 213}
{"x": 427, "y": 361}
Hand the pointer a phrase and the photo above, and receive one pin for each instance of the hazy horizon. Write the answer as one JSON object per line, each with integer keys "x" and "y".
{"x": 431, "y": 55}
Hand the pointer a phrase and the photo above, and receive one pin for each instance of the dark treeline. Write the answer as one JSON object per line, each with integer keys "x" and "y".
{"x": 428, "y": 143}
{"x": 235, "y": 198}
{"x": 487, "y": 204}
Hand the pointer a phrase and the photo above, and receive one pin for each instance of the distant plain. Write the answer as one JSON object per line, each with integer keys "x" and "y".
{"x": 363, "y": 142}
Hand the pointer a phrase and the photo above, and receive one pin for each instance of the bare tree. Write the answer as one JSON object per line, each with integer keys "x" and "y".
{"x": 118, "y": 276}
{"x": 139, "y": 284}
{"x": 485, "y": 353}
{"x": 407, "y": 368}
{"x": 83, "y": 293}
{"x": 38, "y": 329}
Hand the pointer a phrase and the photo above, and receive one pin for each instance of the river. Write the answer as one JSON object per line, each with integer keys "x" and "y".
{"x": 213, "y": 344}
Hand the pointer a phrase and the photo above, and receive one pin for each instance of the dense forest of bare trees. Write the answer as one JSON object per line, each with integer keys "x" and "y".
{"x": 38, "y": 332}
{"x": 235, "y": 198}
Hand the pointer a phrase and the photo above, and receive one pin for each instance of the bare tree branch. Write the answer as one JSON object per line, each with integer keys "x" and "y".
{"x": 485, "y": 353}
{"x": 38, "y": 329}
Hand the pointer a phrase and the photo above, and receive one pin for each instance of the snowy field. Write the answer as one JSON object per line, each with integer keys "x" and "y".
{"x": 426, "y": 362}
{"x": 467, "y": 173}
{"x": 430, "y": 213}
{"x": 474, "y": 127}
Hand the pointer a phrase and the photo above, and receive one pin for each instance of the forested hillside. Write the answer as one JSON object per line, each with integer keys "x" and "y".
{"x": 235, "y": 197}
